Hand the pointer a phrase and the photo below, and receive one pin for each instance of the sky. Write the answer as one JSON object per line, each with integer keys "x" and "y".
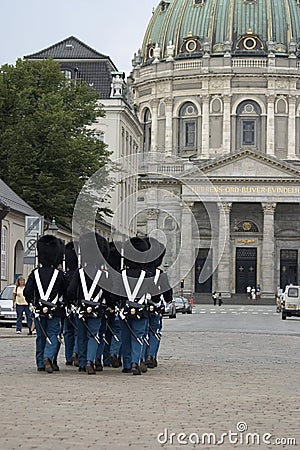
{"x": 115, "y": 28}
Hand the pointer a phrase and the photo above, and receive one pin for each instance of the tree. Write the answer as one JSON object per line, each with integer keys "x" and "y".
{"x": 48, "y": 147}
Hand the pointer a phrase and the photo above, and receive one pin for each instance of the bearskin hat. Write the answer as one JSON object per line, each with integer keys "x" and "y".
{"x": 61, "y": 253}
{"x": 94, "y": 248}
{"x": 114, "y": 258}
{"x": 49, "y": 249}
{"x": 156, "y": 253}
{"x": 71, "y": 258}
{"x": 135, "y": 252}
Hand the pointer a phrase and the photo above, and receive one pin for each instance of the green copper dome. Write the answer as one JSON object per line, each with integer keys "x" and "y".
{"x": 191, "y": 28}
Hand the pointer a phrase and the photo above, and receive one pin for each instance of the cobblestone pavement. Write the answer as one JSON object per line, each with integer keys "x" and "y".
{"x": 206, "y": 382}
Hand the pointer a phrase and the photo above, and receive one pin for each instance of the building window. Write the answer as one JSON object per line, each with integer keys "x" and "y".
{"x": 190, "y": 134}
{"x": 248, "y": 137}
{"x": 188, "y": 117}
{"x": 147, "y": 130}
{"x": 248, "y": 125}
{"x": 3, "y": 253}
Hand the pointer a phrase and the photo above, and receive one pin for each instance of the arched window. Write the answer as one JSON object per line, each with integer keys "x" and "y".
{"x": 248, "y": 125}
{"x": 188, "y": 117}
{"x": 147, "y": 130}
{"x": 4, "y": 253}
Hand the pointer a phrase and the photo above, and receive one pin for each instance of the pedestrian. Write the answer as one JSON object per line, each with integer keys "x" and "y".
{"x": 248, "y": 290}
{"x": 21, "y": 305}
{"x": 258, "y": 291}
{"x": 46, "y": 291}
{"x": 253, "y": 295}
{"x": 88, "y": 292}
{"x": 220, "y": 299}
{"x": 214, "y": 297}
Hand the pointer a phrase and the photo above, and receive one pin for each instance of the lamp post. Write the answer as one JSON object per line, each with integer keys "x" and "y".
{"x": 53, "y": 228}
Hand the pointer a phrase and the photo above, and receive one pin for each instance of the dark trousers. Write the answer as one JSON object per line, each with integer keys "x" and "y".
{"x": 20, "y": 309}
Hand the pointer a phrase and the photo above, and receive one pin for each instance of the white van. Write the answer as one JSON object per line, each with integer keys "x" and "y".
{"x": 291, "y": 301}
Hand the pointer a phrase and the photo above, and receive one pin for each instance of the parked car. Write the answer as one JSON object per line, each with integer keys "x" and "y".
{"x": 170, "y": 310}
{"x": 179, "y": 304}
{"x": 8, "y": 315}
{"x": 188, "y": 308}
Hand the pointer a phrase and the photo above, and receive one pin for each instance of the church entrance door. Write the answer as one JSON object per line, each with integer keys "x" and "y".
{"x": 245, "y": 270}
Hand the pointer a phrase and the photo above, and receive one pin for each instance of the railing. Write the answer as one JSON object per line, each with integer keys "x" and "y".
{"x": 187, "y": 65}
{"x": 238, "y": 62}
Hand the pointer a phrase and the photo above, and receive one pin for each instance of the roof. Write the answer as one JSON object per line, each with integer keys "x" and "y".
{"x": 83, "y": 63}
{"x": 69, "y": 48}
{"x": 9, "y": 198}
{"x": 222, "y": 25}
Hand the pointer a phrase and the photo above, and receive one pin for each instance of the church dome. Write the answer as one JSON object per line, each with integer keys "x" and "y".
{"x": 192, "y": 28}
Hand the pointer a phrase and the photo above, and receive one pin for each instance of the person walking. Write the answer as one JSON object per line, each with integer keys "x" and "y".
{"x": 214, "y": 297}
{"x": 220, "y": 299}
{"x": 19, "y": 302}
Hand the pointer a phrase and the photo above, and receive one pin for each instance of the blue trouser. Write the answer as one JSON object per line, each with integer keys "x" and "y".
{"x": 155, "y": 326}
{"x": 70, "y": 337}
{"x": 131, "y": 348}
{"x": 20, "y": 309}
{"x": 45, "y": 349}
{"x": 115, "y": 346}
{"x": 87, "y": 345}
{"x": 102, "y": 335}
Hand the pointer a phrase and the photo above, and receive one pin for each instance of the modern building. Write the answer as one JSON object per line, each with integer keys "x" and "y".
{"x": 120, "y": 127}
{"x": 217, "y": 89}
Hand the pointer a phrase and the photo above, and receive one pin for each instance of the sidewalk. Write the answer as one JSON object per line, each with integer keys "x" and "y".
{"x": 204, "y": 383}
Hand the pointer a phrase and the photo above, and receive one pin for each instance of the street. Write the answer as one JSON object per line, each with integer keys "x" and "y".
{"x": 227, "y": 376}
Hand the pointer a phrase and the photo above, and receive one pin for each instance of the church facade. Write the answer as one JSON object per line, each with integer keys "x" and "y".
{"x": 216, "y": 86}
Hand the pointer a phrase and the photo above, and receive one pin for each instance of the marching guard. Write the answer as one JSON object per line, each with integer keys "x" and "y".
{"x": 162, "y": 294}
{"x": 45, "y": 291}
{"x": 88, "y": 291}
{"x": 135, "y": 286}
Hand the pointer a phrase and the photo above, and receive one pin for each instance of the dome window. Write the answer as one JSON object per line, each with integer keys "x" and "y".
{"x": 251, "y": 2}
{"x": 191, "y": 44}
{"x": 199, "y": 2}
{"x": 150, "y": 51}
{"x": 249, "y": 42}
{"x": 164, "y": 6}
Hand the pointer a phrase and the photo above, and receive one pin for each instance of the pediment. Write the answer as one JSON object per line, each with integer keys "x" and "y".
{"x": 249, "y": 165}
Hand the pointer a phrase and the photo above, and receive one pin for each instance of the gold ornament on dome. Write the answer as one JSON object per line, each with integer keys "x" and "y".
{"x": 246, "y": 226}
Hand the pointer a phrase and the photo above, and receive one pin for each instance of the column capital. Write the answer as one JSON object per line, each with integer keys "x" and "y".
{"x": 269, "y": 208}
{"x": 168, "y": 101}
{"x": 152, "y": 214}
{"x": 225, "y": 206}
{"x": 154, "y": 103}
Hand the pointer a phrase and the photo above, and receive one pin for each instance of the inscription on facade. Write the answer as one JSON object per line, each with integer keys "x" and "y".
{"x": 227, "y": 189}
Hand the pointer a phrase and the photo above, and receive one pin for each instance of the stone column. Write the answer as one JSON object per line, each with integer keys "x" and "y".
{"x": 152, "y": 216}
{"x": 187, "y": 257}
{"x": 154, "y": 124}
{"x": 224, "y": 266}
{"x": 270, "y": 150}
{"x": 292, "y": 128}
{"x": 226, "y": 123}
{"x": 268, "y": 251}
{"x": 205, "y": 126}
{"x": 169, "y": 126}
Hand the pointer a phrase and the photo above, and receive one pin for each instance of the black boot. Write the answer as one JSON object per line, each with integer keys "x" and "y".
{"x": 48, "y": 365}
{"x": 55, "y": 366}
{"x": 90, "y": 368}
{"x": 150, "y": 363}
{"x": 135, "y": 369}
{"x": 114, "y": 361}
{"x": 143, "y": 366}
{"x": 98, "y": 365}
